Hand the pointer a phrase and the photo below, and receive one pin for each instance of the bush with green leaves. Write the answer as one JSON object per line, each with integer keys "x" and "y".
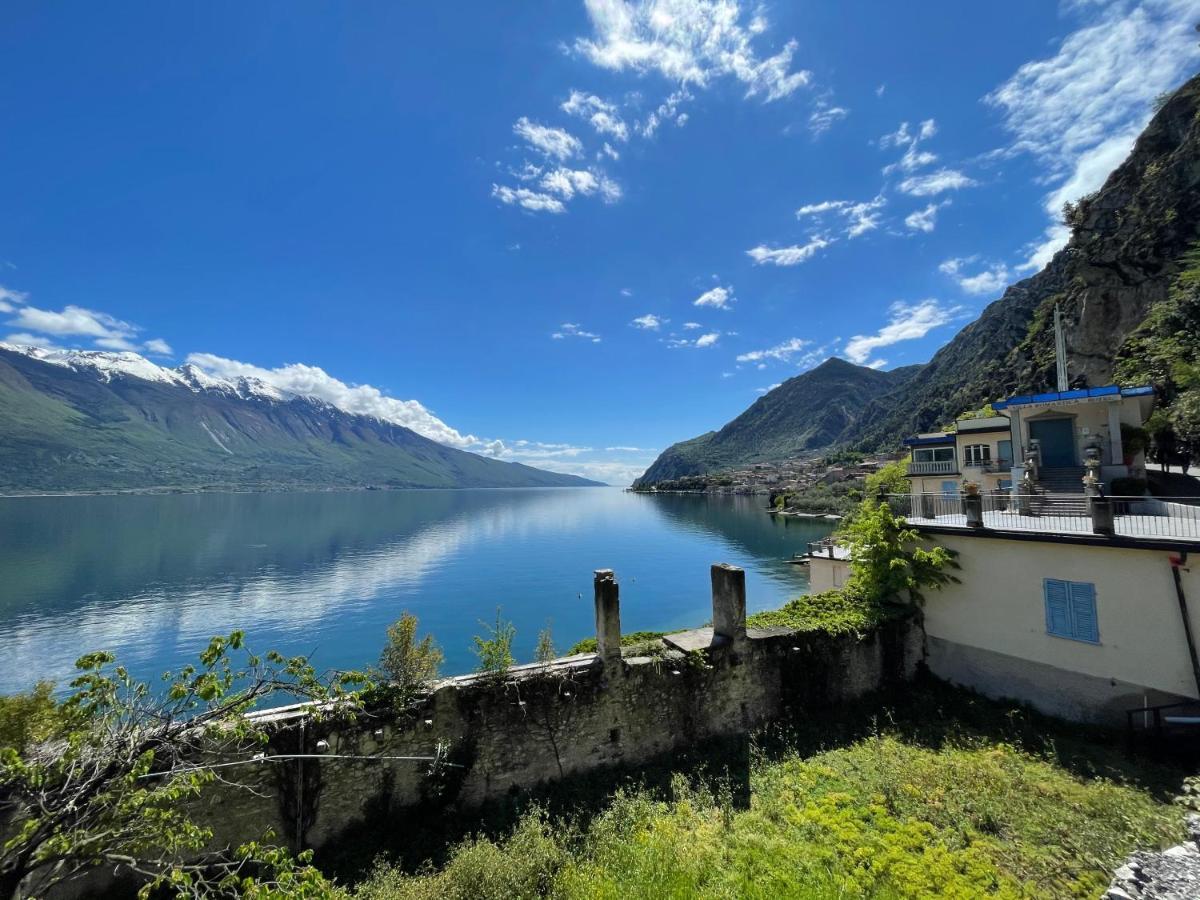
{"x": 408, "y": 664}
{"x": 888, "y": 563}
{"x": 107, "y": 777}
{"x": 544, "y": 652}
{"x": 495, "y": 650}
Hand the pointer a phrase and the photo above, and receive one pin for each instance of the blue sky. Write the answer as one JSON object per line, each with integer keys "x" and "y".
{"x": 569, "y": 233}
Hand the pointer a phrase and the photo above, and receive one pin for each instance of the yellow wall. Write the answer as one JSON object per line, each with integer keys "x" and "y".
{"x": 826, "y": 574}
{"x": 999, "y": 607}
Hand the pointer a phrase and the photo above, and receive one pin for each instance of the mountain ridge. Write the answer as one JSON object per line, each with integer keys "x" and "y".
{"x": 108, "y": 421}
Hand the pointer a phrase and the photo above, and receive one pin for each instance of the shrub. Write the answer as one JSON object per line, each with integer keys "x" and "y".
{"x": 544, "y": 652}
{"x": 495, "y": 652}
{"x": 409, "y": 664}
{"x": 887, "y": 563}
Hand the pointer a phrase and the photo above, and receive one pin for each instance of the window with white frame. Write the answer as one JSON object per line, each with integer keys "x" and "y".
{"x": 977, "y": 454}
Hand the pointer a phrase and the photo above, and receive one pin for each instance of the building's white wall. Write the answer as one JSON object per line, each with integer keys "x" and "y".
{"x": 825, "y": 574}
{"x": 987, "y": 481}
{"x": 999, "y": 608}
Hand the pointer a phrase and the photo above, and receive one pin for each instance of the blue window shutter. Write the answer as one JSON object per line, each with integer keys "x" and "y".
{"x": 1058, "y": 608}
{"x": 1085, "y": 625}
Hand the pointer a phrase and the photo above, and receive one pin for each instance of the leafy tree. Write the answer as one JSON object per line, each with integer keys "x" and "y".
{"x": 887, "y": 562}
{"x": 891, "y": 479}
{"x": 408, "y": 664}
{"x": 495, "y": 652}
{"x": 106, "y": 777}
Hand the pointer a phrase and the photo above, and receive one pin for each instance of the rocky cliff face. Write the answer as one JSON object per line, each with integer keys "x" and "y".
{"x": 1127, "y": 245}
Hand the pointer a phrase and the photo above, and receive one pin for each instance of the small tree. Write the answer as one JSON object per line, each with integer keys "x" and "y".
{"x": 106, "y": 778}
{"x": 544, "y": 652}
{"x": 409, "y": 664}
{"x": 495, "y": 652}
{"x": 887, "y": 562}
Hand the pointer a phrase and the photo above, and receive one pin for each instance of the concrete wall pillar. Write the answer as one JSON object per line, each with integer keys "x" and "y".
{"x": 973, "y": 509}
{"x": 1101, "y": 509}
{"x": 1114, "y": 433}
{"x": 608, "y": 617}
{"x": 729, "y": 601}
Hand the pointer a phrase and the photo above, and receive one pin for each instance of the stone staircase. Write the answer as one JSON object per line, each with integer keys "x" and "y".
{"x": 1059, "y": 492}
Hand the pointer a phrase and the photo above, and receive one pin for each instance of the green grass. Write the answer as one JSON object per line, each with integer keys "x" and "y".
{"x": 835, "y": 612}
{"x": 633, "y": 639}
{"x": 952, "y": 797}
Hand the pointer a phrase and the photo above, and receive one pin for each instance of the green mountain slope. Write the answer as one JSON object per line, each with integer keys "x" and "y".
{"x": 66, "y": 429}
{"x": 805, "y": 413}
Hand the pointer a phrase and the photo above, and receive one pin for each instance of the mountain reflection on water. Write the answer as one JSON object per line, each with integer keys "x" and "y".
{"x": 153, "y": 577}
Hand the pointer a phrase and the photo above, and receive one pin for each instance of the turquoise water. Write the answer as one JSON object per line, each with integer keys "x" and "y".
{"x": 153, "y": 577}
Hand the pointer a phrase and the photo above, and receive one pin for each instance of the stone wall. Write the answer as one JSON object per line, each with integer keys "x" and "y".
{"x": 541, "y": 723}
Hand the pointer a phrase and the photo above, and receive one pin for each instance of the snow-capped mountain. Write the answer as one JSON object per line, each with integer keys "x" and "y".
{"x": 101, "y": 420}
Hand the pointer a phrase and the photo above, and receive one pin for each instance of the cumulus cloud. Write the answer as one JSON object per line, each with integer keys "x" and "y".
{"x": 566, "y": 183}
{"x": 924, "y": 219}
{"x": 1079, "y": 111}
{"x": 572, "y": 330}
{"x": 717, "y": 298}
{"x": 784, "y": 352}
{"x": 603, "y": 116}
{"x": 936, "y": 183}
{"x": 692, "y": 42}
{"x": 551, "y": 142}
{"x": 709, "y": 339}
{"x": 649, "y": 322}
{"x": 40, "y": 327}
{"x": 787, "y": 256}
{"x": 987, "y": 280}
{"x": 908, "y": 322}
{"x": 531, "y": 200}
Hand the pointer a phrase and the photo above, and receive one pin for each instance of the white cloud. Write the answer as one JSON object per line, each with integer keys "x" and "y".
{"x": 73, "y": 321}
{"x": 935, "y": 183}
{"x": 603, "y": 116}
{"x": 914, "y": 158}
{"x": 10, "y": 299}
{"x": 531, "y": 200}
{"x": 552, "y": 142}
{"x": 768, "y": 389}
{"x": 566, "y": 183}
{"x": 924, "y": 219}
{"x": 572, "y": 330}
{"x": 709, "y": 339}
{"x": 608, "y": 151}
{"x": 787, "y": 256}
{"x": 689, "y": 326}
{"x": 649, "y": 322}
{"x": 858, "y": 218}
{"x": 784, "y": 352}
{"x": 159, "y": 346}
{"x": 1079, "y": 111}
{"x": 668, "y": 111}
{"x": 691, "y": 42}
{"x": 24, "y": 338}
{"x": 988, "y": 280}
{"x": 626, "y": 292}
{"x": 717, "y": 298}
{"x": 816, "y": 209}
{"x": 362, "y": 399}
{"x": 825, "y": 117}
{"x": 908, "y": 322}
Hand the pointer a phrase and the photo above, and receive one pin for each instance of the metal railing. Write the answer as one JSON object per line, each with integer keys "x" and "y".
{"x": 827, "y": 547}
{"x": 940, "y": 467}
{"x": 1145, "y": 517}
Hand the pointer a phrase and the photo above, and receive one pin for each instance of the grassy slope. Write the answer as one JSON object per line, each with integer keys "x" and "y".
{"x": 941, "y": 794}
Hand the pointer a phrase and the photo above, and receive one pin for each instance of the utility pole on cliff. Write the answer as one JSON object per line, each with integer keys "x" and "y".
{"x": 1060, "y": 350}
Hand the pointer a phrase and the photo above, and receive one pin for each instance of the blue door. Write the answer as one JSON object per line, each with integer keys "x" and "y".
{"x": 1057, "y": 437}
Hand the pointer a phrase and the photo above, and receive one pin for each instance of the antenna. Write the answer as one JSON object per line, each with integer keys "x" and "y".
{"x": 1060, "y": 350}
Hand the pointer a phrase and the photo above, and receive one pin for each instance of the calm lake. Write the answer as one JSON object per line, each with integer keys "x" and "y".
{"x": 153, "y": 577}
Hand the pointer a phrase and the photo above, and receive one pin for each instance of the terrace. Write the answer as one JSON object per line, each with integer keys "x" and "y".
{"x": 1142, "y": 518}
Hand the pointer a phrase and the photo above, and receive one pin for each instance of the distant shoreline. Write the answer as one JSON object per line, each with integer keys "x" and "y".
{"x": 283, "y": 489}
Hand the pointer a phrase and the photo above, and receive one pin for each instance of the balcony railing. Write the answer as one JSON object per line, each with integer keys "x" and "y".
{"x": 941, "y": 467}
{"x": 1132, "y": 517}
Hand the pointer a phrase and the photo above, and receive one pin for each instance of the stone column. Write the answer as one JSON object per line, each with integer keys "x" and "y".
{"x": 1101, "y": 509}
{"x": 729, "y": 602}
{"x": 608, "y": 617}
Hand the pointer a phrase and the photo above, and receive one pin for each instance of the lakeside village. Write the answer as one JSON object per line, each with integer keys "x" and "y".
{"x": 993, "y": 690}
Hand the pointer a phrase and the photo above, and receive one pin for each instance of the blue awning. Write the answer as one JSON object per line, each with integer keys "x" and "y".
{"x": 1108, "y": 390}
{"x": 947, "y": 439}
